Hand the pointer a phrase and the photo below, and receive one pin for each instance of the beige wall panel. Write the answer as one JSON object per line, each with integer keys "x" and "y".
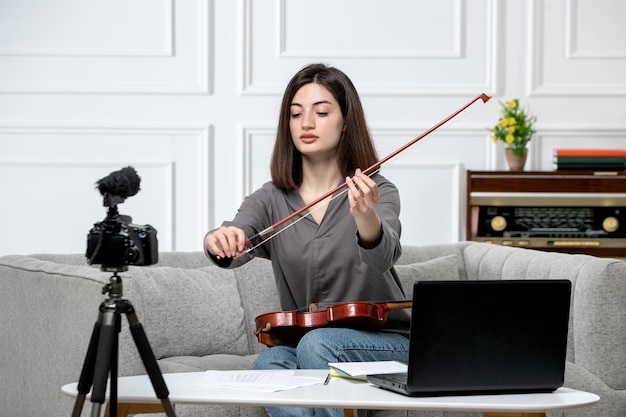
{"x": 578, "y": 48}
{"x": 48, "y": 176}
{"x": 403, "y": 48}
{"x": 89, "y": 46}
{"x": 563, "y": 137}
{"x": 188, "y": 92}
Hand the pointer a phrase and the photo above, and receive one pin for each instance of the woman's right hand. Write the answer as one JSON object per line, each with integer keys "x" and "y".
{"x": 226, "y": 242}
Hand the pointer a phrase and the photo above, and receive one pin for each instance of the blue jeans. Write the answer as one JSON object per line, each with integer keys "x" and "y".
{"x": 320, "y": 346}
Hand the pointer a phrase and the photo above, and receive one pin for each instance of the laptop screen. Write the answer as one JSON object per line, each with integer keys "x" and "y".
{"x": 487, "y": 336}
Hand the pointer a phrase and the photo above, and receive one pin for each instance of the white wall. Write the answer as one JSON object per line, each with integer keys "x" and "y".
{"x": 188, "y": 93}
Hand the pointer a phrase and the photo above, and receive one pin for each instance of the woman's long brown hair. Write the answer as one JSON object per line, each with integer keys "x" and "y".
{"x": 356, "y": 147}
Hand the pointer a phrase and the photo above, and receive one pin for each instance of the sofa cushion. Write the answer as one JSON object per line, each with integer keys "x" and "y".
{"x": 445, "y": 268}
{"x": 257, "y": 288}
{"x": 188, "y": 312}
{"x": 220, "y": 362}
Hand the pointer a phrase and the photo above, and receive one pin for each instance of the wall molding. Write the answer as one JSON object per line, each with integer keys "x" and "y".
{"x": 188, "y": 191}
{"x": 166, "y": 49}
{"x": 572, "y": 49}
{"x": 120, "y": 72}
{"x": 538, "y": 86}
{"x": 411, "y": 209}
{"x": 457, "y": 50}
{"x": 255, "y": 87}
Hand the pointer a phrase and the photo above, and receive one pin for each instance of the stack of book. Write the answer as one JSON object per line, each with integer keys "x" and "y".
{"x": 590, "y": 159}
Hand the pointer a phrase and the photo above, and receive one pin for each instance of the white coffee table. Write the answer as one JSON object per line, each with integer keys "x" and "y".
{"x": 342, "y": 393}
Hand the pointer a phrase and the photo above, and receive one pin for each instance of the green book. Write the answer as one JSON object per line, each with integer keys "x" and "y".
{"x": 590, "y": 160}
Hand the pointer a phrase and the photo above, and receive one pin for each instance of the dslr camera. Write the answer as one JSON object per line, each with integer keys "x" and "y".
{"x": 115, "y": 243}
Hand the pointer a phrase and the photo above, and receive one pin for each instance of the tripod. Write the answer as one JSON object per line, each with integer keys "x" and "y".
{"x": 102, "y": 353}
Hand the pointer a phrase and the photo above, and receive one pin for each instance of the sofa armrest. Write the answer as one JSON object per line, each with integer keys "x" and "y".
{"x": 598, "y": 310}
{"x": 599, "y": 321}
{"x": 48, "y": 313}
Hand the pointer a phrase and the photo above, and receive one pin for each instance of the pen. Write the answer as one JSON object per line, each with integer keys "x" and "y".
{"x": 327, "y": 380}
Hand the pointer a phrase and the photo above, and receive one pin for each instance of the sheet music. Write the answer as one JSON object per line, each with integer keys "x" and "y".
{"x": 261, "y": 380}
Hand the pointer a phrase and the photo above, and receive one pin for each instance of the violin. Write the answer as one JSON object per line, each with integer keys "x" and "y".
{"x": 286, "y": 328}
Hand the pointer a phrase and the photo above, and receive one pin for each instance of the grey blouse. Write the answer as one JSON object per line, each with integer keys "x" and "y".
{"x": 323, "y": 263}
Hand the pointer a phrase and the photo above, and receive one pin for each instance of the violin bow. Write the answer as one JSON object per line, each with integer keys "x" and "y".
{"x": 265, "y": 235}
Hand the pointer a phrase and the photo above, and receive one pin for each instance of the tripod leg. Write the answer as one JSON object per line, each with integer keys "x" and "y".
{"x": 149, "y": 361}
{"x": 86, "y": 375}
{"x": 113, "y": 405}
{"x": 105, "y": 352}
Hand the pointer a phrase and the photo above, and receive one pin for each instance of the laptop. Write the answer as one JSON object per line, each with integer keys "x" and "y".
{"x": 484, "y": 337}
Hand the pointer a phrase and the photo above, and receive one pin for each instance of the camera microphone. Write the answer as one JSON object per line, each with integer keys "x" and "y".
{"x": 123, "y": 183}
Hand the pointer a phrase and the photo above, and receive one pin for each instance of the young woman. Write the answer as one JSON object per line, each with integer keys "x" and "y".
{"x": 345, "y": 248}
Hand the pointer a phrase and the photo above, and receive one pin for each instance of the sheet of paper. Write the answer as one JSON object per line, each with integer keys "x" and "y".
{"x": 262, "y": 380}
{"x": 360, "y": 369}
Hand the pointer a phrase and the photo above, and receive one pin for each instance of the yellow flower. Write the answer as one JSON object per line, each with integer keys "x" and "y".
{"x": 514, "y": 127}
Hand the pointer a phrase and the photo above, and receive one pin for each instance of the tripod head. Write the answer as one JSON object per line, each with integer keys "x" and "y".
{"x": 114, "y": 287}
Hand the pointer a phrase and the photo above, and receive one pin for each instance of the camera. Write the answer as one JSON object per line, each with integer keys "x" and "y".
{"x": 115, "y": 243}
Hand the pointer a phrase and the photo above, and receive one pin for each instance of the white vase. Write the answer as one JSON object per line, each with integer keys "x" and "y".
{"x": 516, "y": 158}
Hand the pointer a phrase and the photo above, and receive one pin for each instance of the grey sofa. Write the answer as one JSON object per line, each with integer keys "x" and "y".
{"x": 200, "y": 317}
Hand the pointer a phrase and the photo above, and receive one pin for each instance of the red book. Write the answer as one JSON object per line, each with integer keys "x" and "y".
{"x": 590, "y": 152}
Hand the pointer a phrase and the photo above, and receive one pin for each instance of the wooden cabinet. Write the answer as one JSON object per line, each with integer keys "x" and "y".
{"x": 566, "y": 211}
